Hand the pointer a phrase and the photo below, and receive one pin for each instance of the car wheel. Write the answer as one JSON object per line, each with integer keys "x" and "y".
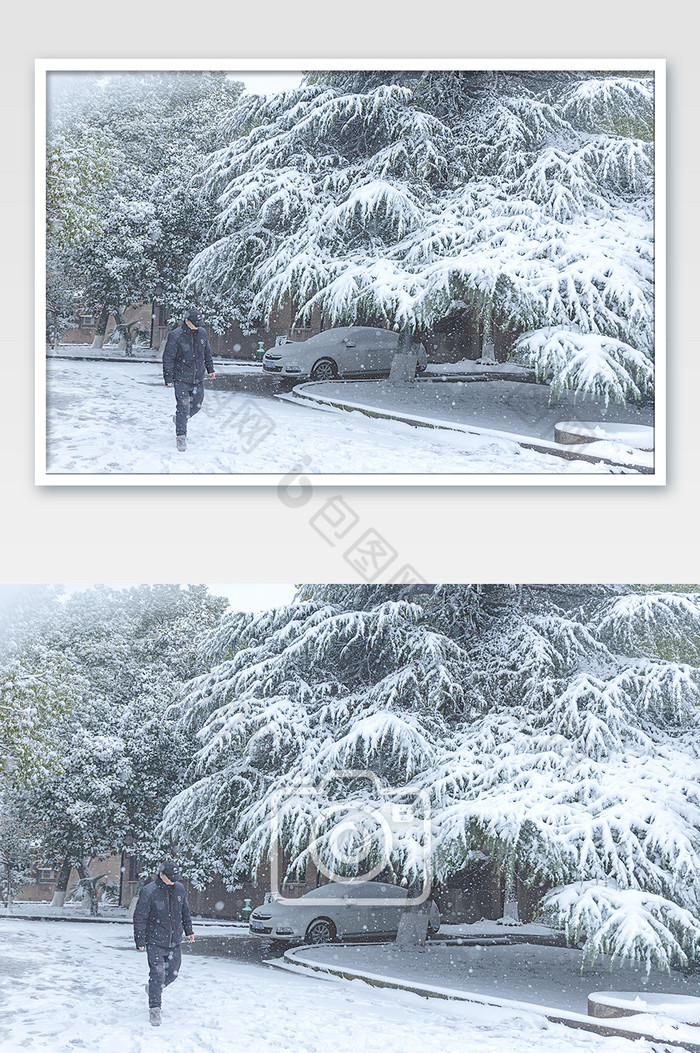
{"x": 324, "y": 369}
{"x": 320, "y": 931}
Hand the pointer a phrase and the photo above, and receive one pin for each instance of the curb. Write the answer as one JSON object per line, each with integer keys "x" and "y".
{"x": 102, "y": 920}
{"x": 54, "y": 917}
{"x": 474, "y": 378}
{"x": 541, "y": 446}
{"x": 574, "y": 1020}
{"x": 99, "y": 358}
{"x": 153, "y": 361}
{"x": 496, "y": 940}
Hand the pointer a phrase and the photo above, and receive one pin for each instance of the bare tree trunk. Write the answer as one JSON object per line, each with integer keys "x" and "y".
{"x": 84, "y": 875}
{"x": 413, "y": 927}
{"x": 510, "y": 898}
{"x": 59, "y": 896}
{"x": 132, "y": 906}
{"x": 99, "y": 337}
{"x": 124, "y": 332}
{"x": 488, "y": 352}
{"x": 404, "y": 362}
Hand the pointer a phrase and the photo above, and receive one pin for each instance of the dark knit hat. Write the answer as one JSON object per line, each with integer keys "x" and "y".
{"x": 170, "y": 869}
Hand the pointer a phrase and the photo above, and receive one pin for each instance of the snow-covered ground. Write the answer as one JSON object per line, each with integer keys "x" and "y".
{"x": 116, "y": 418}
{"x": 496, "y": 927}
{"x": 109, "y": 915}
{"x": 67, "y": 986}
{"x": 470, "y": 366}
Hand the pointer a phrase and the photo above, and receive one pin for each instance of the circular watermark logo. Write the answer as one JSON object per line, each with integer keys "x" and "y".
{"x": 351, "y": 842}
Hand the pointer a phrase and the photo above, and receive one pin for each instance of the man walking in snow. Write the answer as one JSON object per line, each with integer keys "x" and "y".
{"x": 162, "y": 912}
{"x": 186, "y": 358}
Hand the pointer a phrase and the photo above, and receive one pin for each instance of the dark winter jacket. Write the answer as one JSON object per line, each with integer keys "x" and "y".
{"x": 187, "y": 355}
{"x": 162, "y": 911}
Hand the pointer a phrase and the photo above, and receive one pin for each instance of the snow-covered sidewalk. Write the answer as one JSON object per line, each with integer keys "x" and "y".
{"x": 110, "y": 353}
{"x": 116, "y": 419}
{"x": 472, "y": 367}
{"x": 109, "y": 915}
{"x": 65, "y": 987}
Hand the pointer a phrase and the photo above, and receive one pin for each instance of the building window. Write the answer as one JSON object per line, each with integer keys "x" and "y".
{"x": 45, "y": 876}
{"x": 162, "y": 315}
{"x": 133, "y": 868}
{"x": 87, "y": 321}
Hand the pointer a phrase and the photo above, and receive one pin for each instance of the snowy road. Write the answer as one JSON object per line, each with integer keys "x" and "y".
{"x": 116, "y": 418}
{"x": 67, "y": 986}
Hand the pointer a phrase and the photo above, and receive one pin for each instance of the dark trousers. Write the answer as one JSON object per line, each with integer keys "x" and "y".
{"x": 189, "y": 398}
{"x": 164, "y": 965}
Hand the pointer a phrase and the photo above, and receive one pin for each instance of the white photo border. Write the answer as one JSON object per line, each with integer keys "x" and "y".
{"x": 43, "y": 67}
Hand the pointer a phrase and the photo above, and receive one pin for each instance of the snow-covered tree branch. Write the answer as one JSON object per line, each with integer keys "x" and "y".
{"x": 554, "y": 729}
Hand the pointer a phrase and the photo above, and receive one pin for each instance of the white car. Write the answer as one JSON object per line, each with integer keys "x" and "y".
{"x": 349, "y": 351}
{"x": 336, "y": 911}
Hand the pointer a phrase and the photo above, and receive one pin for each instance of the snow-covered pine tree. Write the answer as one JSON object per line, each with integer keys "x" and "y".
{"x": 397, "y": 198}
{"x": 554, "y": 728}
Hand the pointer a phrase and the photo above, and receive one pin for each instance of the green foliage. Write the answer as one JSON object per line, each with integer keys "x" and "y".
{"x": 17, "y": 855}
{"x": 76, "y": 173}
{"x": 115, "y": 756}
{"x": 123, "y": 151}
{"x": 36, "y": 693}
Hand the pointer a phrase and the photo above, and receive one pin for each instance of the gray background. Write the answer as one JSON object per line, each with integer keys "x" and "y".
{"x": 504, "y": 533}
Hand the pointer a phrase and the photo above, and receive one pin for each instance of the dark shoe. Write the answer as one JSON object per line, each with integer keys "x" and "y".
{"x": 154, "y": 1016}
{"x": 182, "y": 443}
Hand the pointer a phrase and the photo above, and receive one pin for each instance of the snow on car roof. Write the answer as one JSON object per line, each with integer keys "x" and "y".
{"x": 356, "y": 888}
{"x": 341, "y": 332}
